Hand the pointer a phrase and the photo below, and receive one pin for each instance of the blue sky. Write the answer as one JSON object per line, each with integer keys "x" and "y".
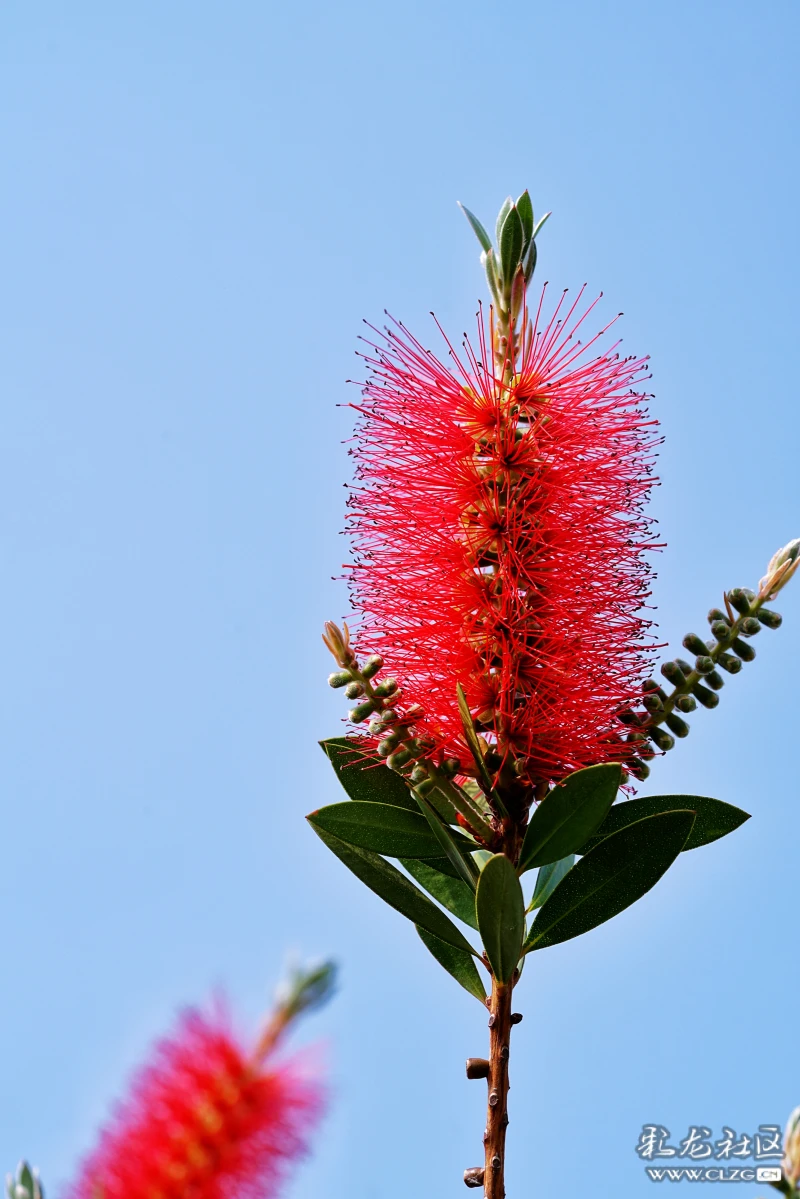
{"x": 200, "y": 204}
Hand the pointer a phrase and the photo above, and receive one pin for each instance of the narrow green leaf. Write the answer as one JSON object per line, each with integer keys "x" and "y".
{"x": 449, "y": 841}
{"x": 548, "y": 878}
{"x": 540, "y": 223}
{"x": 455, "y": 962}
{"x": 489, "y": 264}
{"x": 715, "y": 819}
{"x": 568, "y": 816}
{"x": 382, "y": 828}
{"x": 451, "y": 893}
{"x": 364, "y": 778}
{"x": 529, "y": 261}
{"x": 500, "y": 908}
{"x": 617, "y": 872}
{"x": 471, "y": 737}
{"x": 510, "y": 245}
{"x": 525, "y": 210}
{"x": 508, "y": 204}
{"x": 441, "y": 865}
{"x": 396, "y": 890}
{"x": 477, "y": 228}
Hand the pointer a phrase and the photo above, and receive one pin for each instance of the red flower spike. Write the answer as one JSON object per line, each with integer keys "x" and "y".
{"x": 499, "y": 535}
{"x": 203, "y": 1122}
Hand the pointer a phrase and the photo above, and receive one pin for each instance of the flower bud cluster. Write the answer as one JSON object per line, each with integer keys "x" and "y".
{"x": 26, "y": 1185}
{"x": 700, "y": 681}
{"x": 413, "y": 756}
{"x": 377, "y": 700}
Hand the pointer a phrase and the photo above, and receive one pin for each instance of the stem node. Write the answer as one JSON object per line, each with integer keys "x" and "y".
{"x": 474, "y": 1176}
{"x": 477, "y": 1067}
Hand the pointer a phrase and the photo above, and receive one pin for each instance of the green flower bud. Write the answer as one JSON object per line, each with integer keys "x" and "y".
{"x": 685, "y": 703}
{"x": 661, "y": 738}
{"x": 750, "y": 626}
{"x": 339, "y": 678}
{"x": 721, "y": 630}
{"x": 419, "y": 774}
{"x": 744, "y": 651}
{"x": 781, "y": 567}
{"x": 389, "y": 716}
{"x": 635, "y": 738}
{"x": 639, "y": 769}
{"x": 386, "y": 688}
{"x": 372, "y": 666}
{"x": 718, "y": 614}
{"x": 694, "y": 644}
{"x": 704, "y": 664}
{"x": 361, "y": 711}
{"x": 451, "y": 767}
{"x": 399, "y": 759}
{"x": 652, "y": 703}
{"x": 740, "y": 600}
{"x": 354, "y": 690}
{"x": 388, "y": 745}
{"x": 673, "y": 673}
{"x": 770, "y": 620}
{"x": 679, "y": 727}
{"x": 714, "y": 680}
{"x": 729, "y": 663}
{"x": 707, "y": 698}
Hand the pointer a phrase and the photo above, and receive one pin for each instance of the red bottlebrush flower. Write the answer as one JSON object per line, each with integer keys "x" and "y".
{"x": 498, "y": 529}
{"x": 204, "y": 1121}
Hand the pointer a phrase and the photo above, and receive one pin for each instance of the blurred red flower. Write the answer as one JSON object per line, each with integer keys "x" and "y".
{"x": 204, "y": 1121}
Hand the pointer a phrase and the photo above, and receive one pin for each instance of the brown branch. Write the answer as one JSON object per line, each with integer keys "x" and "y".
{"x": 497, "y": 1112}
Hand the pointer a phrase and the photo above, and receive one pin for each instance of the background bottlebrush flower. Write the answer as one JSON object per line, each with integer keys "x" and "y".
{"x": 498, "y": 529}
{"x": 205, "y": 1120}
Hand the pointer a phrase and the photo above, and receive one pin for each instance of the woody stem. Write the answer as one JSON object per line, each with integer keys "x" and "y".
{"x": 497, "y": 1110}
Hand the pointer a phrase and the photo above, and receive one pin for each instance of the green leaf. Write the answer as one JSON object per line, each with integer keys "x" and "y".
{"x": 510, "y": 245}
{"x": 449, "y": 842}
{"x": 455, "y": 962}
{"x": 441, "y": 865}
{"x": 364, "y": 778}
{"x": 525, "y": 210}
{"x": 568, "y": 816}
{"x": 714, "y": 818}
{"x": 488, "y": 263}
{"x": 452, "y": 893}
{"x": 529, "y": 261}
{"x": 477, "y": 228}
{"x": 395, "y": 832}
{"x": 508, "y": 204}
{"x": 617, "y": 872}
{"x": 540, "y": 223}
{"x": 471, "y": 737}
{"x": 548, "y": 878}
{"x": 396, "y": 890}
{"x": 500, "y": 908}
